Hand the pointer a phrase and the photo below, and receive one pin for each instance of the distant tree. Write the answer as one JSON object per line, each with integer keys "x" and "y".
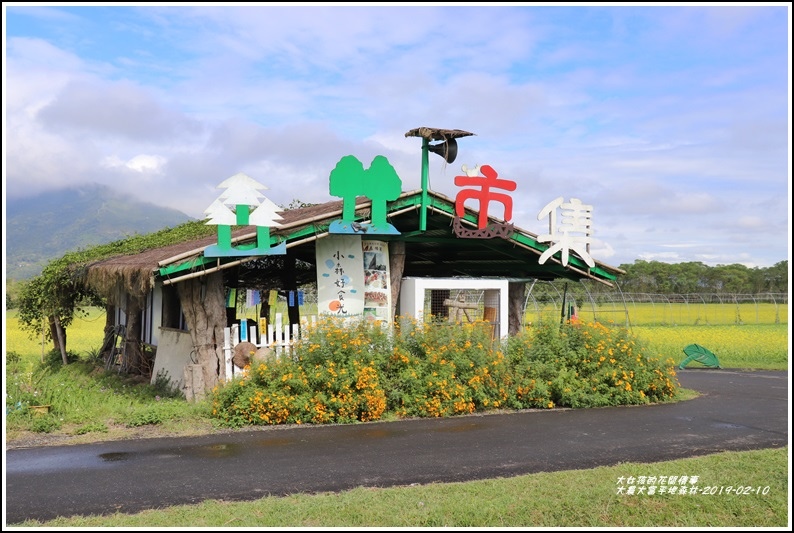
{"x": 13, "y": 290}
{"x": 687, "y": 278}
{"x": 296, "y": 204}
{"x": 641, "y": 277}
{"x": 656, "y": 277}
{"x": 774, "y": 278}
{"x": 732, "y": 278}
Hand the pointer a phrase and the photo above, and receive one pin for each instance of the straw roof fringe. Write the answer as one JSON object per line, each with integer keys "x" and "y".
{"x": 113, "y": 280}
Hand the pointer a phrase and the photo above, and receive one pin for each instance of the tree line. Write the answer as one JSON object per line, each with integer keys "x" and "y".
{"x": 656, "y": 277}
{"x": 673, "y": 279}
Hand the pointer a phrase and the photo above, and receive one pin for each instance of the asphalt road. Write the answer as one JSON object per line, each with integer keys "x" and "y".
{"x": 737, "y": 411}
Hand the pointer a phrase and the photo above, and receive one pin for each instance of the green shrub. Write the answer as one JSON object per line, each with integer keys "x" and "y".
{"x": 333, "y": 377}
{"x": 591, "y": 365}
{"x": 440, "y": 369}
{"x": 148, "y": 417}
{"x": 26, "y": 386}
{"x": 92, "y": 427}
{"x": 162, "y": 410}
{"x": 54, "y": 358}
{"x": 163, "y": 386}
{"x": 45, "y": 424}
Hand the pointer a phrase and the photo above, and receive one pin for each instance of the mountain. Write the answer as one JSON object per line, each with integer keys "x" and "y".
{"x": 45, "y": 227}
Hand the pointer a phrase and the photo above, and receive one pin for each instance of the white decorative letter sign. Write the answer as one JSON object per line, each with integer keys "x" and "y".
{"x": 572, "y": 233}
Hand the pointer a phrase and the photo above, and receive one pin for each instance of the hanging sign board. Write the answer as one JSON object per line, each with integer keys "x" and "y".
{"x": 377, "y": 286}
{"x": 340, "y": 276}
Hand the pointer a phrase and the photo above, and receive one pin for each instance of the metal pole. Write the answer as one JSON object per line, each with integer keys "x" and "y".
{"x": 562, "y": 310}
{"x": 425, "y": 181}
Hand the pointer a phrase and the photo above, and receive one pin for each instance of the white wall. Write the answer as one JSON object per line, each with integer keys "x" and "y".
{"x": 154, "y": 314}
{"x": 412, "y": 295}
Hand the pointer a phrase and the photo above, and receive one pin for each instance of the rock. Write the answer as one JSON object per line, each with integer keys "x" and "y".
{"x": 243, "y": 353}
{"x": 264, "y": 354}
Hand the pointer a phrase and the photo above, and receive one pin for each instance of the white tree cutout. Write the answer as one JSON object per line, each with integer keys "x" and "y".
{"x": 243, "y": 204}
{"x": 218, "y": 214}
{"x": 266, "y": 214}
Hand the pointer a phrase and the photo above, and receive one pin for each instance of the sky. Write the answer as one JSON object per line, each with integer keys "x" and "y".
{"x": 670, "y": 120}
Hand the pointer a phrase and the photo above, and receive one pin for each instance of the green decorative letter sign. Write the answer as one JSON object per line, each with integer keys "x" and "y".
{"x": 380, "y": 183}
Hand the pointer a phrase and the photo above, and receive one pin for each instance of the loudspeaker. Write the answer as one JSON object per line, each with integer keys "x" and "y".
{"x": 448, "y": 149}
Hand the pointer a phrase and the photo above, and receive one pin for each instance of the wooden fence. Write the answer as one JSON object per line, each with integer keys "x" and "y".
{"x": 276, "y": 335}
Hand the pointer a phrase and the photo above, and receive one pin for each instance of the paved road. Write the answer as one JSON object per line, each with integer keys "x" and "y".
{"x": 737, "y": 411}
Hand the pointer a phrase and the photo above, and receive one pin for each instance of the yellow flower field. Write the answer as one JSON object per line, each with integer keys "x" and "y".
{"x": 671, "y": 313}
{"x": 746, "y": 346}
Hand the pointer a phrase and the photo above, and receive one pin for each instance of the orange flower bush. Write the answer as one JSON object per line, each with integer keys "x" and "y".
{"x": 361, "y": 372}
{"x": 587, "y": 365}
{"x": 332, "y": 378}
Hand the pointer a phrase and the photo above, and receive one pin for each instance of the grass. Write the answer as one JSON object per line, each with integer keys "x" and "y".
{"x": 90, "y": 405}
{"x": 576, "y": 498}
{"x": 85, "y": 401}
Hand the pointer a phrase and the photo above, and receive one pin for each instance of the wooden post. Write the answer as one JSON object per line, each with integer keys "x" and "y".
{"x": 396, "y": 268}
{"x": 457, "y": 309}
{"x": 516, "y": 295}
{"x": 42, "y": 342}
{"x": 194, "y": 383}
{"x": 61, "y": 342}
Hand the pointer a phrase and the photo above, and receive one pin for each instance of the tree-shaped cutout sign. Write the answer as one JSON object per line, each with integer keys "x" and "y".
{"x": 240, "y": 205}
{"x": 380, "y": 183}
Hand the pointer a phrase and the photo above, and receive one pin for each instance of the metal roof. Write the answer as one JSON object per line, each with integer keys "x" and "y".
{"x": 435, "y": 252}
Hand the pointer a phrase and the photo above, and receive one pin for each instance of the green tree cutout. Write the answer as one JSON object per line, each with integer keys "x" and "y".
{"x": 380, "y": 183}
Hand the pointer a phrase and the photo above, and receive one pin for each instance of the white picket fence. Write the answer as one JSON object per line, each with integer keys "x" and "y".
{"x": 278, "y": 336}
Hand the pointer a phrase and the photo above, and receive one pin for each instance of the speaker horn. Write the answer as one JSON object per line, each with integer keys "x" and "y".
{"x": 448, "y": 149}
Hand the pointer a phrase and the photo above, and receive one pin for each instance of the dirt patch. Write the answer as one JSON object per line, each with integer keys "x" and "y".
{"x": 30, "y": 439}
{"x": 64, "y": 437}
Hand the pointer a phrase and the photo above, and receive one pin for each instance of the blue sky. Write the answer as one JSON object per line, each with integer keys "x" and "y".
{"x": 671, "y": 120}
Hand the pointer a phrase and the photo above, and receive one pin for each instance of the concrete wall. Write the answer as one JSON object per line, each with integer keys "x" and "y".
{"x": 173, "y": 355}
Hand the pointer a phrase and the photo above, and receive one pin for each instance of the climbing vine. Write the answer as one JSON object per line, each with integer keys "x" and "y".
{"x": 59, "y": 291}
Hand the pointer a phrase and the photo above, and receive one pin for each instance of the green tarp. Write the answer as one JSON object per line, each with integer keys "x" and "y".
{"x": 696, "y": 352}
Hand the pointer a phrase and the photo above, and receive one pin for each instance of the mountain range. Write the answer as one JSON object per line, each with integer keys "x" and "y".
{"x": 44, "y": 227}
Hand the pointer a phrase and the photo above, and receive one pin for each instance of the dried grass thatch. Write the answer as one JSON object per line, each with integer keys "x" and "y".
{"x": 133, "y": 274}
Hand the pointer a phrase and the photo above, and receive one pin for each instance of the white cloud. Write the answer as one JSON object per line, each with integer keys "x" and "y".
{"x": 671, "y": 121}
{"x": 140, "y": 163}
